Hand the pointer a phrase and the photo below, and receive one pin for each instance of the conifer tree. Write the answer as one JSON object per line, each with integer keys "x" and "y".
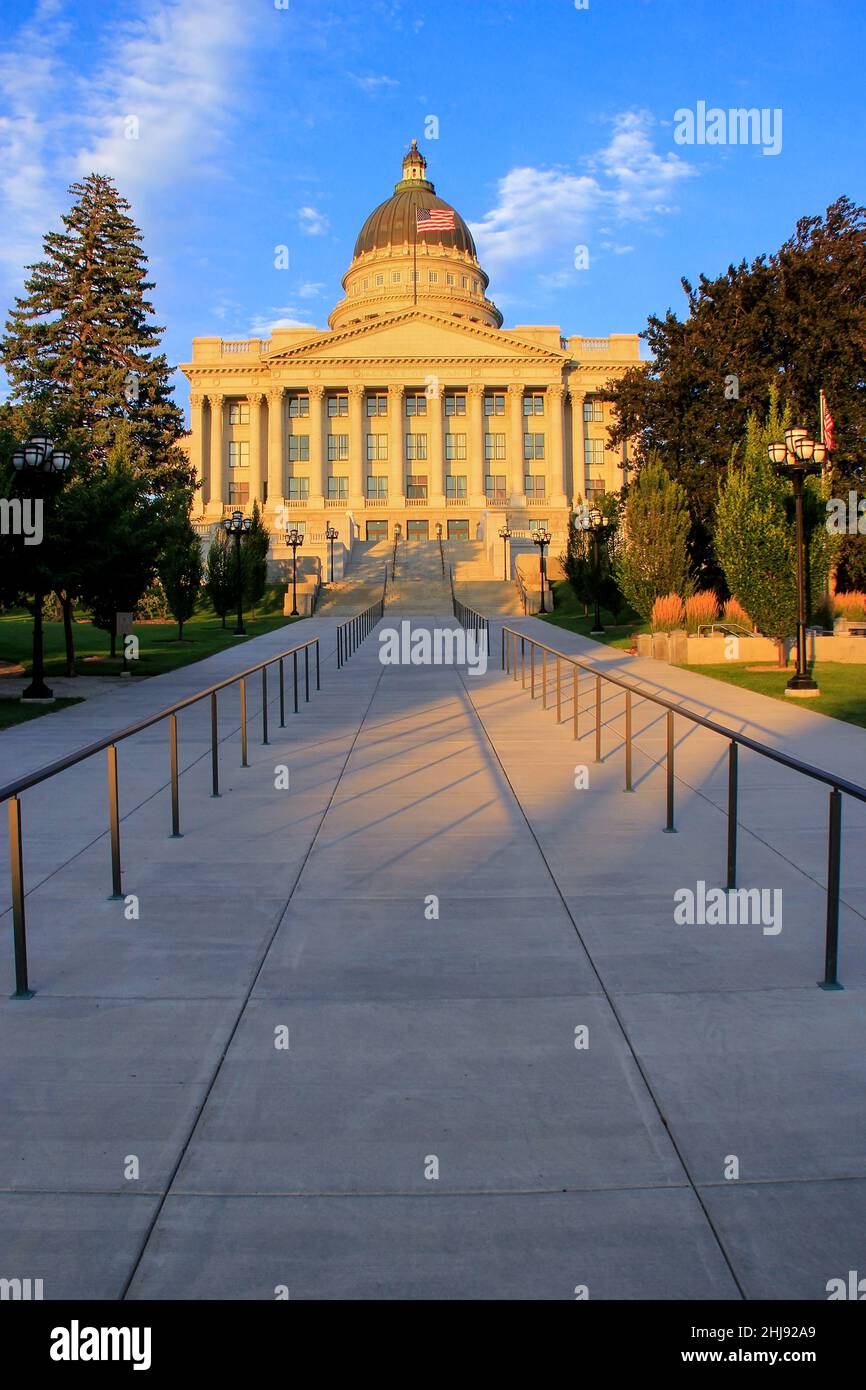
{"x": 180, "y": 565}
{"x": 651, "y": 557}
{"x": 81, "y": 344}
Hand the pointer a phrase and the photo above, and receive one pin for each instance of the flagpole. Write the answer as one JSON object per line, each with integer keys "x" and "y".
{"x": 415, "y": 262}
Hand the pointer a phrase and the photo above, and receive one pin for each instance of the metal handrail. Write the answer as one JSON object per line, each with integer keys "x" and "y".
{"x": 11, "y": 791}
{"x": 468, "y": 618}
{"x": 351, "y": 634}
{"x": 838, "y": 785}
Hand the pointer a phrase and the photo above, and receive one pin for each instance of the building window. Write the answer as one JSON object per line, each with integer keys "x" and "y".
{"x": 416, "y": 447}
{"x": 377, "y": 447}
{"x": 377, "y": 487}
{"x": 593, "y": 412}
{"x": 299, "y": 526}
{"x": 455, "y": 446}
{"x": 533, "y": 446}
{"x": 593, "y": 457}
{"x": 338, "y": 489}
{"x": 377, "y": 405}
{"x": 533, "y": 405}
{"x": 450, "y": 279}
{"x": 338, "y": 447}
{"x": 416, "y": 404}
{"x": 299, "y": 489}
{"x": 455, "y": 405}
{"x": 239, "y": 453}
{"x": 239, "y": 413}
{"x": 299, "y": 448}
{"x": 534, "y": 485}
{"x": 299, "y": 406}
{"x": 538, "y": 523}
{"x": 380, "y": 279}
{"x": 239, "y": 494}
{"x": 494, "y": 447}
{"x": 494, "y": 405}
{"x": 494, "y": 487}
{"x": 396, "y": 277}
{"x": 464, "y": 282}
{"x": 475, "y": 286}
{"x": 338, "y": 405}
{"x": 416, "y": 486}
{"x": 455, "y": 486}
{"x": 433, "y": 277}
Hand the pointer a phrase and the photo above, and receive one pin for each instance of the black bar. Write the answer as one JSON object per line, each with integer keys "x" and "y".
{"x": 295, "y": 665}
{"x": 834, "y": 878}
{"x": 733, "y": 779}
{"x": 670, "y": 828}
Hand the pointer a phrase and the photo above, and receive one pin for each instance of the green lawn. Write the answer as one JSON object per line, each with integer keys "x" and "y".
{"x": 843, "y": 687}
{"x": 569, "y": 615}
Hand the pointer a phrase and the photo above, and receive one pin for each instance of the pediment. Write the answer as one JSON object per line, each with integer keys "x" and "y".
{"x": 412, "y": 334}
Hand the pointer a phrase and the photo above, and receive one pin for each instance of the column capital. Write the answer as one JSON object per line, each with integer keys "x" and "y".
{"x": 356, "y": 392}
{"x": 275, "y": 394}
{"x": 515, "y": 389}
{"x": 576, "y": 393}
{"x": 396, "y": 392}
{"x": 556, "y": 391}
{"x": 215, "y": 397}
{"x": 316, "y": 391}
{"x": 196, "y": 399}
{"x": 475, "y": 389}
{"x": 254, "y": 395}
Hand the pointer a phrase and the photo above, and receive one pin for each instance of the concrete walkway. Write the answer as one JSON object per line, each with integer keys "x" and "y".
{"x": 422, "y": 1025}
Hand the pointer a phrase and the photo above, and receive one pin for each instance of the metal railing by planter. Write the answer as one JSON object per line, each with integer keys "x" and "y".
{"x": 514, "y": 642}
{"x": 468, "y": 618}
{"x": 350, "y": 635}
{"x": 11, "y": 792}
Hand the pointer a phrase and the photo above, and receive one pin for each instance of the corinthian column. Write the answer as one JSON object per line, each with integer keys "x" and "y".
{"x": 518, "y": 467}
{"x": 475, "y": 445}
{"x": 578, "y": 467}
{"x": 357, "y": 446}
{"x": 276, "y": 466}
{"x": 258, "y": 473}
{"x": 556, "y": 446}
{"x": 318, "y": 453}
{"x": 196, "y": 447}
{"x": 396, "y": 462}
{"x": 216, "y": 462}
{"x": 436, "y": 492}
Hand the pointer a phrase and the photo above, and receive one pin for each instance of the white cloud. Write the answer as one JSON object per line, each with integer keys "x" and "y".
{"x": 547, "y": 212}
{"x": 312, "y": 290}
{"x": 262, "y": 325}
{"x": 373, "y": 84}
{"x": 312, "y": 222}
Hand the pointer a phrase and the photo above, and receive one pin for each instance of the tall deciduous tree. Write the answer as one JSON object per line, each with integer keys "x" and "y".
{"x": 81, "y": 342}
{"x": 180, "y": 564}
{"x": 221, "y": 580}
{"x": 651, "y": 557}
{"x": 795, "y": 319}
{"x": 254, "y": 559}
{"x": 755, "y": 533}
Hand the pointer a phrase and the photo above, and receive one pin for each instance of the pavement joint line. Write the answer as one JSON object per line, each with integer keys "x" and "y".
{"x": 199, "y": 1111}
{"x": 608, "y": 997}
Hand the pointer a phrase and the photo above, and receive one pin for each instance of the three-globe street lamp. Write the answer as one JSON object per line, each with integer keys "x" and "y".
{"x": 505, "y": 537}
{"x": 331, "y": 534}
{"x": 596, "y": 524}
{"x": 796, "y": 459}
{"x": 295, "y": 539}
{"x": 36, "y": 459}
{"x": 541, "y": 539}
{"x": 238, "y": 525}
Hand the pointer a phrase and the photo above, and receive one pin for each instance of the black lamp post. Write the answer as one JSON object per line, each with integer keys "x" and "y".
{"x": 295, "y": 539}
{"x": 796, "y": 459}
{"x": 596, "y": 523}
{"x": 331, "y": 534}
{"x": 541, "y": 539}
{"x": 238, "y": 525}
{"x": 39, "y": 460}
{"x": 505, "y": 537}
{"x": 438, "y": 530}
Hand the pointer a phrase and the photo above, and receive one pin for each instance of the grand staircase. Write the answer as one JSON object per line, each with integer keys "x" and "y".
{"x": 419, "y": 586}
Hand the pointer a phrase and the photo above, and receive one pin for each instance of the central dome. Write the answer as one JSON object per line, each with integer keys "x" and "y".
{"x": 394, "y": 222}
{"x": 396, "y": 265}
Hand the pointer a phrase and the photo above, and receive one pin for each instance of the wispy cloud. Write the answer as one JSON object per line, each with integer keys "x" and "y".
{"x": 373, "y": 84}
{"x": 544, "y": 211}
{"x": 312, "y": 222}
{"x": 263, "y": 324}
{"x": 312, "y": 290}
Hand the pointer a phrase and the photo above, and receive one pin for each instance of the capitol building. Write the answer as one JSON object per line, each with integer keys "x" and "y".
{"x": 415, "y": 408}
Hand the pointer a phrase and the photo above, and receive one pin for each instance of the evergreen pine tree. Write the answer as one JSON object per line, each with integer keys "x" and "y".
{"x": 81, "y": 345}
{"x": 651, "y": 557}
{"x": 254, "y": 559}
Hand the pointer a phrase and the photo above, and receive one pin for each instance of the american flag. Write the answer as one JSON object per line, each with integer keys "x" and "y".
{"x": 434, "y": 220}
{"x": 828, "y": 424}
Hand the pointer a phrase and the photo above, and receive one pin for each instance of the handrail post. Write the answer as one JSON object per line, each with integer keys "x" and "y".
{"x": 576, "y": 697}
{"x": 544, "y": 678}
{"x": 523, "y": 661}
{"x": 514, "y": 656}
{"x": 834, "y": 878}
{"x": 307, "y": 673}
{"x": 114, "y": 823}
{"x": 295, "y": 670}
{"x": 318, "y": 667}
{"x": 243, "y": 685}
{"x": 264, "y": 704}
{"x": 19, "y": 923}
{"x": 598, "y": 757}
{"x": 504, "y": 667}
{"x": 282, "y": 696}
{"x": 214, "y": 746}
{"x": 532, "y": 670}
{"x": 628, "y": 768}
{"x": 175, "y": 787}
{"x": 558, "y": 690}
{"x": 670, "y": 828}
{"x": 733, "y": 778}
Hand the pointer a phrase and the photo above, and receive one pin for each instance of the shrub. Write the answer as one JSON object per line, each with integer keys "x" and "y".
{"x": 668, "y": 613}
{"x": 851, "y": 606}
{"x": 152, "y": 607}
{"x": 824, "y": 613}
{"x": 736, "y": 613}
{"x": 701, "y": 608}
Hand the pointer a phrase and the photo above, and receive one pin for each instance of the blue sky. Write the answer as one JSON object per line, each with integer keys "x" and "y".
{"x": 266, "y": 123}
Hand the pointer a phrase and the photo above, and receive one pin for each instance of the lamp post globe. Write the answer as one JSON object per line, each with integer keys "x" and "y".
{"x": 238, "y": 525}
{"x": 295, "y": 539}
{"x": 541, "y": 538}
{"x": 799, "y": 457}
{"x": 331, "y": 534}
{"x": 505, "y": 537}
